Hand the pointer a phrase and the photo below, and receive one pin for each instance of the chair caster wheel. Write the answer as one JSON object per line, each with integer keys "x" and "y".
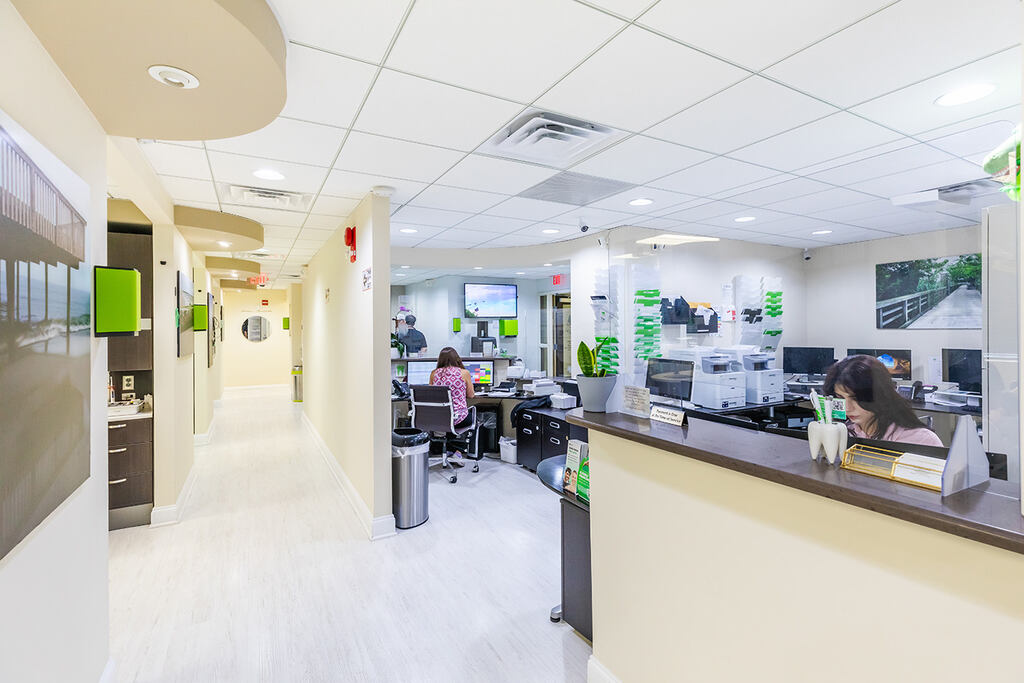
{"x": 476, "y": 468}
{"x": 453, "y": 479}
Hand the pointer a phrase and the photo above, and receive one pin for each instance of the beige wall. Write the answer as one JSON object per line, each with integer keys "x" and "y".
{"x": 249, "y": 363}
{"x": 346, "y": 357}
{"x": 295, "y": 307}
{"x": 201, "y": 372}
{"x": 705, "y": 574}
{"x": 53, "y": 585}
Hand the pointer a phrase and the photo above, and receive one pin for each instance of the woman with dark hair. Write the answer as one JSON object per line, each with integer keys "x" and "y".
{"x": 873, "y": 407}
{"x": 451, "y": 373}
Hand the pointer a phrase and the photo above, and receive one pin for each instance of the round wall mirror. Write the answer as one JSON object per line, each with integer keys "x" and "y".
{"x": 256, "y": 328}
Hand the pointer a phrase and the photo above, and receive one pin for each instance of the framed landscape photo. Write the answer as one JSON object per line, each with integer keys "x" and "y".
{"x": 929, "y": 294}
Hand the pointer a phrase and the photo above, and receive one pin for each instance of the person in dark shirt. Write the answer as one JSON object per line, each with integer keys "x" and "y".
{"x": 413, "y": 339}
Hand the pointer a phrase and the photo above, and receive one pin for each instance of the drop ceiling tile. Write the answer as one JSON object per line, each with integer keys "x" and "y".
{"x": 936, "y": 221}
{"x": 177, "y": 160}
{"x": 713, "y": 176}
{"x": 626, "y": 8}
{"x": 212, "y": 206}
{"x": 467, "y": 238}
{"x": 753, "y": 185}
{"x": 352, "y": 184}
{"x": 405, "y": 240}
{"x": 860, "y": 155}
{"x": 705, "y": 210}
{"x": 754, "y": 33}
{"x": 846, "y": 235}
{"x": 659, "y": 223}
{"x": 909, "y": 41}
{"x": 324, "y": 87}
{"x": 320, "y": 221}
{"x": 973, "y": 210}
{"x": 625, "y": 83}
{"x": 494, "y": 224}
{"x": 280, "y": 234}
{"x": 883, "y": 164}
{"x": 438, "y": 243}
{"x": 592, "y": 217}
{"x": 516, "y": 240}
{"x": 394, "y": 158}
{"x": 267, "y": 216}
{"x": 477, "y": 172}
{"x": 189, "y": 190}
{"x": 924, "y": 178}
{"x": 457, "y": 199}
{"x": 913, "y": 109}
{"x": 749, "y": 111}
{"x": 422, "y": 231}
{"x": 980, "y": 140}
{"x": 334, "y": 206}
{"x": 518, "y": 61}
{"x": 1010, "y": 115}
{"x": 238, "y": 170}
{"x": 640, "y": 159}
{"x": 350, "y": 27}
{"x": 833, "y": 198}
{"x": 529, "y": 209}
{"x": 793, "y": 225}
{"x": 855, "y": 213}
{"x": 763, "y": 217}
{"x": 663, "y": 201}
{"x": 286, "y": 140}
{"x": 787, "y": 189}
{"x": 893, "y": 220}
{"x": 412, "y": 108}
{"x": 435, "y": 217}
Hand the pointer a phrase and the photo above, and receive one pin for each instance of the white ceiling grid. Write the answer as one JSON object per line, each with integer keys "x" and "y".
{"x": 807, "y": 114}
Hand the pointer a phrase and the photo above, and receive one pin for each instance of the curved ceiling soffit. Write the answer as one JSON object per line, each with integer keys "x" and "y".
{"x": 206, "y": 230}
{"x": 231, "y": 268}
{"x": 236, "y": 49}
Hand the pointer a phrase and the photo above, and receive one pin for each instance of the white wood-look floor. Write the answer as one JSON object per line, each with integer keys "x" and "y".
{"x": 270, "y": 577}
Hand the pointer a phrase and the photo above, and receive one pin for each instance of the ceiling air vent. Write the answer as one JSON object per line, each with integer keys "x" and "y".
{"x": 549, "y": 139}
{"x": 575, "y": 188}
{"x": 264, "y": 197}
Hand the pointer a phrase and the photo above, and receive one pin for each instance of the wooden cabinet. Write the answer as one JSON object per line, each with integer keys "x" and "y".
{"x": 130, "y": 471}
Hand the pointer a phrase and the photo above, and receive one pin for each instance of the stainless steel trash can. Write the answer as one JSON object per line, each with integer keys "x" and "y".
{"x": 410, "y": 453}
{"x": 297, "y": 383}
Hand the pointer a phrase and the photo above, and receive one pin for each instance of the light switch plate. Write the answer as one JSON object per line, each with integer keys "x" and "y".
{"x": 127, "y": 382}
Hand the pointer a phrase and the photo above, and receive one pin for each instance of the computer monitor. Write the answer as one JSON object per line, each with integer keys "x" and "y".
{"x": 897, "y": 361}
{"x": 670, "y": 378}
{"x": 807, "y": 360}
{"x": 419, "y": 371}
{"x": 481, "y": 371}
{"x": 962, "y": 366}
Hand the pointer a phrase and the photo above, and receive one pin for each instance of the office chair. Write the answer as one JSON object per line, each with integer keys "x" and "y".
{"x": 432, "y": 412}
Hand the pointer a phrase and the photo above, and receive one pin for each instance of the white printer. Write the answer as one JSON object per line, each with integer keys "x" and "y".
{"x": 764, "y": 382}
{"x": 718, "y": 379}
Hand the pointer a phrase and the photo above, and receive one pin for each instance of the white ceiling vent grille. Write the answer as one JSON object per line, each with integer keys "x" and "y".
{"x": 575, "y": 188}
{"x": 264, "y": 197}
{"x": 549, "y": 139}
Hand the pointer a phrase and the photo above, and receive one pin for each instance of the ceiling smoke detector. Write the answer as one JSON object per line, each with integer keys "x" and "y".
{"x": 265, "y": 198}
{"x": 549, "y": 139}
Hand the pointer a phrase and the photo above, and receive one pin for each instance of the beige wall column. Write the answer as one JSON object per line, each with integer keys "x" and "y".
{"x": 295, "y": 307}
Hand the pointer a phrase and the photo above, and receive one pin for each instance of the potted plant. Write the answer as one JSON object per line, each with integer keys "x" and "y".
{"x": 595, "y": 384}
{"x": 397, "y": 347}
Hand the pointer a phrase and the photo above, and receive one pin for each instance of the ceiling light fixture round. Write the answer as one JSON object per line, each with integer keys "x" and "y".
{"x": 641, "y": 201}
{"x": 173, "y": 76}
{"x": 409, "y": 231}
{"x": 550, "y": 231}
{"x": 822, "y": 232}
{"x": 547, "y": 265}
{"x": 268, "y": 174}
{"x": 745, "y": 219}
{"x": 224, "y": 244}
{"x": 520, "y": 273}
{"x": 966, "y": 94}
{"x": 478, "y": 267}
{"x": 405, "y": 266}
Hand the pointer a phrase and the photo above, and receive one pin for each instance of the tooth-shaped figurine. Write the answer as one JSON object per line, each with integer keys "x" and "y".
{"x": 814, "y": 438}
{"x": 844, "y": 437}
{"x": 830, "y": 440}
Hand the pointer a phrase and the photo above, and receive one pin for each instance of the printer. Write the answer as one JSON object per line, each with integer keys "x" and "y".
{"x": 719, "y": 381}
{"x": 543, "y": 387}
{"x": 764, "y": 382}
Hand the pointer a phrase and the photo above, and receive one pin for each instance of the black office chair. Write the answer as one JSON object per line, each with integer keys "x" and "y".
{"x": 432, "y": 412}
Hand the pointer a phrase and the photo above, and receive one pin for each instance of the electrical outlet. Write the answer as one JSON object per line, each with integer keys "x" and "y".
{"x": 128, "y": 383}
{"x": 127, "y": 395}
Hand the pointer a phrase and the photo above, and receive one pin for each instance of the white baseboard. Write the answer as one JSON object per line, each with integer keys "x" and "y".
{"x": 171, "y": 514}
{"x": 108, "y": 672}
{"x": 599, "y": 673}
{"x": 207, "y": 437}
{"x": 376, "y": 527}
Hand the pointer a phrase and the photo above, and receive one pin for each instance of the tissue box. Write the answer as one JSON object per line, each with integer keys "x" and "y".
{"x": 563, "y": 401}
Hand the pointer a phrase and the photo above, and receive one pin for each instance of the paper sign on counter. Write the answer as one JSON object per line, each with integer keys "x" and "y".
{"x": 667, "y": 415}
{"x": 636, "y": 401}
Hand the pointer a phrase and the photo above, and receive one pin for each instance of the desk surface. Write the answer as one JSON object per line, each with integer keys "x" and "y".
{"x": 465, "y": 359}
{"x": 551, "y": 472}
{"x": 989, "y": 513}
{"x": 928, "y": 407}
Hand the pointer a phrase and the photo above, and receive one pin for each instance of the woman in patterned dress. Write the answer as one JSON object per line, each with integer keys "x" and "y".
{"x": 451, "y": 373}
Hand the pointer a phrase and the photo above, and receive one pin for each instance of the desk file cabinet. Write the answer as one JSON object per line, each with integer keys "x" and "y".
{"x": 543, "y": 433}
{"x": 130, "y": 471}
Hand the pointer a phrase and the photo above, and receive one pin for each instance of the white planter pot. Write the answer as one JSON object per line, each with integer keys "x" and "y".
{"x": 595, "y": 391}
{"x": 394, "y": 352}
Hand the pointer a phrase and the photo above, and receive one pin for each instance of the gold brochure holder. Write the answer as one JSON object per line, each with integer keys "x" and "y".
{"x": 879, "y": 462}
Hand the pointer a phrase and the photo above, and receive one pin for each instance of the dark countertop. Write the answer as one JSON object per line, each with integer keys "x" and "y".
{"x": 551, "y": 472}
{"x": 927, "y": 407}
{"x": 989, "y": 513}
{"x": 465, "y": 359}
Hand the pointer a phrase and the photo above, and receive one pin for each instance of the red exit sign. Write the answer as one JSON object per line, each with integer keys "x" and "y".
{"x": 266, "y": 302}
{"x": 556, "y": 279}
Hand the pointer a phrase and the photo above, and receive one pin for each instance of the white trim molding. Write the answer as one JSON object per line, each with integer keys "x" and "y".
{"x": 109, "y": 671}
{"x": 171, "y": 514}
{"x": 206, "y": 437}
{"x": 376, "y": 527}
{"x": 599, "y": 673}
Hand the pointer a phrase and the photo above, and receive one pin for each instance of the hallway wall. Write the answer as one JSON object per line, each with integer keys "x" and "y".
{"x": 249, "y": 363}
{"x": 53, "y": 586}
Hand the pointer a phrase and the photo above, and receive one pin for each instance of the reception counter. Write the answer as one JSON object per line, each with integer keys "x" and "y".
{"x": 725, "y": 554}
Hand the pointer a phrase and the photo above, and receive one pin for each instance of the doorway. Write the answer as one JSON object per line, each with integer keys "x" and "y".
{"x": 556, "y": 335}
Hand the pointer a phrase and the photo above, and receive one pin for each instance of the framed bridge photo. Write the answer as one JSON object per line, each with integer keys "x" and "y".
{"x": 929, "y": 294}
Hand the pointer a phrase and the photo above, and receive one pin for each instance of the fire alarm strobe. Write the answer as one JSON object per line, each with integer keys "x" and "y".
{"x": 350, "y": 242}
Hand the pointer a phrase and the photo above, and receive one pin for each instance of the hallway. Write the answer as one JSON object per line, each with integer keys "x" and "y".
{"x": 270, "y": 577}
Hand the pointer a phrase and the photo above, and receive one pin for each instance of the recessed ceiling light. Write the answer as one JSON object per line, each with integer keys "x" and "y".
{"x": 268, "y": 174}
{"x": 224, "y": 244}
{"x": 405, "y": 266}
{"x": 641, "y": 201}
{"x": 234, "y": 273}
{"x": 968, "y": 93}
{"x": 822, "y": 232}
{"x": 520, "y": 273}
{"x": 261, "y": 250}
{"x": 478, "y": 267}
{"x": 409, "y": 231}
{"x": 550, "y": 231}
{"x": 547, "y": 265}
{"x": 173, "y": 76}
{"x": 671, "y": 239}
{"x": 400, "y": 274}
{"x": 745, "y": 219}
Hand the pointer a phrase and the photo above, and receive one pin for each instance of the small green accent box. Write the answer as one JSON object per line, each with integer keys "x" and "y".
{"x": 117, "y": 300}
{"x": 508, "y": 328}
{"x": 456, "y": 324}
{"x": 287, "y": 323}
{"x": 200, "y": 316}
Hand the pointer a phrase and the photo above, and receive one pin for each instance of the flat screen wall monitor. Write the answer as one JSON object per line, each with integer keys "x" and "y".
{"x": 419, "y": 371}
{"x": 962, "y": 366}
{"x": 897, "y": 361}
{"x": 807, "y": 360}
{"x": 670, "y": 378}
{"x": 491, "y": 301}
{"x": 482, "y": 371}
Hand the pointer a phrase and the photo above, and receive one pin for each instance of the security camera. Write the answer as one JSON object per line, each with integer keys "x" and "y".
{"x": 807, "y": 254}
{"x": 584, "y": 228}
